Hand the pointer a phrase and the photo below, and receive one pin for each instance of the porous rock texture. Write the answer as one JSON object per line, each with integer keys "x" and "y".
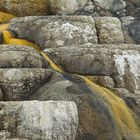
{"x": 108, "y": 60}
{"x": 92, "y": 7}
{"x": 24, "y": 7}
{"x": 16, "y": 84}
{"x": 68, "y": 30}
{"x": 39, "y": 84}
{"x": 41, "y": 7}
{"x": 38, "y": 120}
{"x": 131, "y": 26}
{"x": 92, "y": 41}
{"x": 20, "y": 57}
{"x": 109, "y": 30}
{"x": 56, "y": 30}
{"x": 118, "y": 8}
{"x": 121, "y": 62}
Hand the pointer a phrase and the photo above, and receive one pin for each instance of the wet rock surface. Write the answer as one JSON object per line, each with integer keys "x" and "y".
{"x": 107, "y": 60}
{"x": 42, "y": 60}
{"x": 46, "y": 84}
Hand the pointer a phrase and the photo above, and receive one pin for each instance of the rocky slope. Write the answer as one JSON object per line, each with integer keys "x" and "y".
{"x": 91, "y": 7}
{"x": 82, "y": 67}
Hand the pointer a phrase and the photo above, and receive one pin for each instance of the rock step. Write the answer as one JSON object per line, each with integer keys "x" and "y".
{"x": 89, "y": 7}
{"x": 93, "y": 102}
{"x": 120, "y": 62}
{"x": 51, "y": 120}
{"x": 57, "y": 31}
{"x": 16, "y": 56}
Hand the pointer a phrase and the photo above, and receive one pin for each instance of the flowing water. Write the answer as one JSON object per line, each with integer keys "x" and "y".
{"x": 123, "y": 115}
{"x": 5, "y": 17}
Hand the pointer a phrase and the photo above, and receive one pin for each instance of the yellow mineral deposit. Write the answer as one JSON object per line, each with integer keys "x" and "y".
{"x": 23, "y": 42}
{"x": 5, "y": 17}
{"x": 7, "y": 36}
{"x": 9, "y": 39}
{"x": 52, "y": 64}
{"x": 122, "y": 114}
{"x": 3, "y": 27}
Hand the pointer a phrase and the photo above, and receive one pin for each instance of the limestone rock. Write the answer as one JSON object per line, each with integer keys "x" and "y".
{"x": 118, "y": 8}
{"x": 20, "y": 57}
{"x": 120, "y": 62}
{"x": 131, "y": 25}
{"x": 104, "y": 4}
{"x": 56, "y": 31}
{"x": 17, "y": 84}
{"x": 90, "y": 101}
{"x": 122, "y": 92}
{"x": 71, "y": 88}
{"x": 133, "y": 8}
{"x": 109, "y": 30}
{"x": 65, "y": 6}
{"x": 41, "y": 7}
{"x": 110, "y": 7}
{"x": 24, "y": 7}
{"x": 105, "y": 81}
{"x": 134, "y": 30}
{"x": 71, "y": 42}
{"x": 40, "y": 120}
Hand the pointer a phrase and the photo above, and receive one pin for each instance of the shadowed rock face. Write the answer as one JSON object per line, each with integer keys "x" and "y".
{"x": 133, "y": 8}
{"x": 131, "y": 25}
{"x": 89, "y": 103}
{"x": 134, "y": 29}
